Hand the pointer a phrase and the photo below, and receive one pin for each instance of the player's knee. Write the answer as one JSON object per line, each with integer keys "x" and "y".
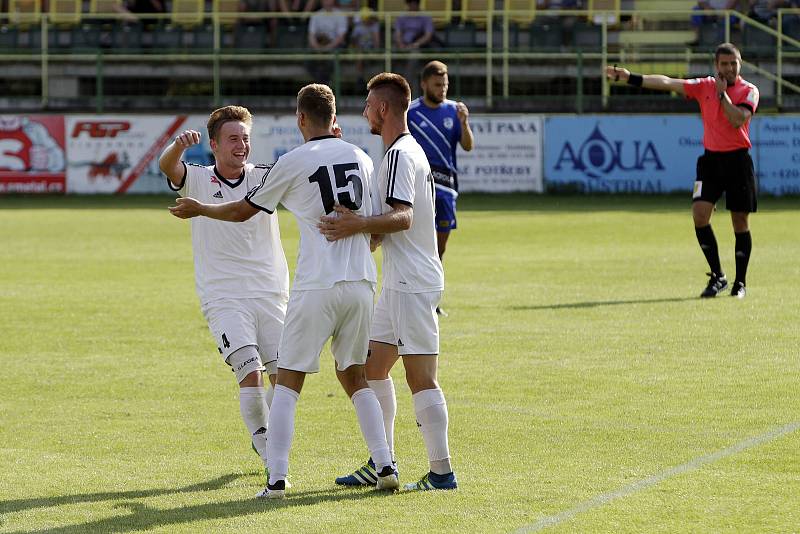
{"x": 740, "y": 222}
{"x": 245, "y": 362}
{"x": 421, "y": 378}
{"x": 701, "y": 217}
{"x": 376, "y": 369}
{"x": 352, "y": 378}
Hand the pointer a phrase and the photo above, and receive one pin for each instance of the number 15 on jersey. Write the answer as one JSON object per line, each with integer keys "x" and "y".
{"x": 346, "y": 184}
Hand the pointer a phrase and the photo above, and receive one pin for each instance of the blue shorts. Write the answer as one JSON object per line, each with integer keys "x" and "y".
{"x": 445, "y": 211}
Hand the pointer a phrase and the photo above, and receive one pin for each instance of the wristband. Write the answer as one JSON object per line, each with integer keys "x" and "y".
{"x": 635, "y": 79}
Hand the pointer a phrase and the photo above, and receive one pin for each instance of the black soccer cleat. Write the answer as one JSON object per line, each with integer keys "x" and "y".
{"x": 738, "y": 290}
{"x": 273, "y": 491}
{"x": 716, "y": 285}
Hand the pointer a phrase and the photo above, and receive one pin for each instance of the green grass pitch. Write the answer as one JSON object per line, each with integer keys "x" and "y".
{"x": 589, "y": 389}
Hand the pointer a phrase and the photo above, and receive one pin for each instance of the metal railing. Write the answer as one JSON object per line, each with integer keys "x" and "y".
{"x": 500, "y": 64}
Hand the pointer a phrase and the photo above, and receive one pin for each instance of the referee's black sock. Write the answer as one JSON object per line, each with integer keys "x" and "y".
{"x": 708, "y": 243}
{"x": 744, "y": 243}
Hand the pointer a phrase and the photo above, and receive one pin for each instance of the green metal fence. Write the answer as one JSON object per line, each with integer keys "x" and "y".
{"x": 502, "y": 67}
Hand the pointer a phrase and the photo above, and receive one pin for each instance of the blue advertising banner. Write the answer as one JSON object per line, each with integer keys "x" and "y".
{"x": 622, "y": 154}
{"x": 776, "y": 154}
{"x": 658, "y": 154}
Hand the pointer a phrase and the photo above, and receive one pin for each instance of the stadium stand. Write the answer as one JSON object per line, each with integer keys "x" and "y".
{"x": 556, "y": 57}
{"x": 477, "y": 12}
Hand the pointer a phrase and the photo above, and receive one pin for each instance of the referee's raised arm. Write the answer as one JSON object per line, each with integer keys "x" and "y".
{"x": 657, "y": 82}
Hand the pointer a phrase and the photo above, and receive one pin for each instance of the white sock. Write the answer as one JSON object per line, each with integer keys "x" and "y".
{"x": 431, "y": 411}
{"x": 270, "y": 393}
{"x": 280, "y": 432}
{"x": 370, "y": 420}
{"x": 384, "y": 390}
{"x": 255, "y": 413}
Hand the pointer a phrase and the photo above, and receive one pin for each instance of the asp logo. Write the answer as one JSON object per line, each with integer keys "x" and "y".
{"x": 100, "y": 129}
{"x": 598, "y": 156}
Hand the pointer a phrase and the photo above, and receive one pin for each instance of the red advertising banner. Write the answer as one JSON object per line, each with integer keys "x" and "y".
{"x": 32, "y": 154}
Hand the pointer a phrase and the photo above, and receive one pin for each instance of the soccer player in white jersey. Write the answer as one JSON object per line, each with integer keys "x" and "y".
{"x": 241, "y": 274}
{"x": 334, "y": 283}
{"x": 405, "y": 322}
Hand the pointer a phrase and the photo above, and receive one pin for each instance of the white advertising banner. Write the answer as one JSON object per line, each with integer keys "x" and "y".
{"x": 117, "y": 153}
{"x": 274, "y": 136}
{"x": 506, "y": 157}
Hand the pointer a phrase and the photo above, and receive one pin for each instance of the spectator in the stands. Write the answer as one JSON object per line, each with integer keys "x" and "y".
{"x": 412, "y": 32}
{"x": 297, "y": 6}
{"x": 791, "y": 21}
{"x": 703, "y": 17}
{"x": 262, "y": 6}
{"x": 327, "y": 31}
{"x": 566, "y": 22}
{"x": 365, "y": 36}
{"x": 764, "y": 11}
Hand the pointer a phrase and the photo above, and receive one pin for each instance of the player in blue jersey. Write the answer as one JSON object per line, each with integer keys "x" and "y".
{"x": 439, "y": 125}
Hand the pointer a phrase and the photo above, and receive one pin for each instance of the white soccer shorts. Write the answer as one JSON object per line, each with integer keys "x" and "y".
{"x": 237, "y": 323}
{"x": 408, "y": 321}
{"x": 342, "y": 312}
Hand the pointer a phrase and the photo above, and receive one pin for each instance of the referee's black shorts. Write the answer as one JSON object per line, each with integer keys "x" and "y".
{"x": 730, "y": 173}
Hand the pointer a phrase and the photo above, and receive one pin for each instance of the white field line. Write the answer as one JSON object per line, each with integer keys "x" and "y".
{"x": 648, "y": 482}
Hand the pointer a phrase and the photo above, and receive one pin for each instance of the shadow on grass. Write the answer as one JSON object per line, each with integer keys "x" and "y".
{"x": 144, "y": 517}
{"x": 7, "y": 507}
{"x": 599, "y": 303}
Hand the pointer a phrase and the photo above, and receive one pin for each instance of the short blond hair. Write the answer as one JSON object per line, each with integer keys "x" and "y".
{"x": 220, "y": 116}
{"x": 395, "y": 88}
{"x": 318, "y": 103}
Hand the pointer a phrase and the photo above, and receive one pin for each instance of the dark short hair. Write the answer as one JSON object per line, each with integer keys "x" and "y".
{"x": 220, "y": 116}
{"x": 434, "y": 68}
{"x": 394, "y": 86}
{"x": 727, "y": 49}
{"x": 318, "y": 103}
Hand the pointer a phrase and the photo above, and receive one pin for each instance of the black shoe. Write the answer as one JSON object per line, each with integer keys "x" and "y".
{"x": 738, "y": 290}
{"x": 716, "y": 285}
{"x": 441, "y": 312}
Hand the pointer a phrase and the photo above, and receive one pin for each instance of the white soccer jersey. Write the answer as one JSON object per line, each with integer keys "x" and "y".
{"x": 309, "y": 181}
{"x": 233, "y": 260}
{"x": 410, "y": 258}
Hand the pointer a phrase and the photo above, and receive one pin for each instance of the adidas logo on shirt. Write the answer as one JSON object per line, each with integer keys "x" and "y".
{"x": 218, "y": 194}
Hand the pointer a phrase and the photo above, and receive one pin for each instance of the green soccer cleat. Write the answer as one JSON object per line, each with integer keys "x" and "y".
{"x": 363, "y": 476}
{"x": 432, "y": 481}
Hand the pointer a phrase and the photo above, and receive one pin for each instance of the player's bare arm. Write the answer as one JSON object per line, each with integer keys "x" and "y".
{"x": 170, "y": 161}
{"x": 236, "y": 211}
{"x": 656, "y": 82}
{"x": 737, "y": 116}
{"x": 347, "y": 223}
{"x": 467, "y": 139}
